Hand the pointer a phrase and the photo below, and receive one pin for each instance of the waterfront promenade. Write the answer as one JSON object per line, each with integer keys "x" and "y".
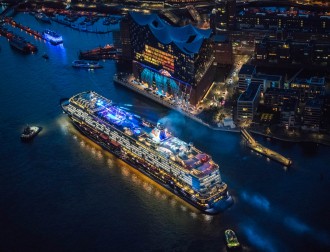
{"x": 128, "y": 82}
{"x": 141, "y": 89}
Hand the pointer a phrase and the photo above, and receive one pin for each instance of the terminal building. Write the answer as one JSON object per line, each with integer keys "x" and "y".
{"x": 247, "y": 103}
{"x": 173, "y": 61}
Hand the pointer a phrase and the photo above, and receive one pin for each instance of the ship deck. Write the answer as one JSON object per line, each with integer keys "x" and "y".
{"x": 156, "y": 137}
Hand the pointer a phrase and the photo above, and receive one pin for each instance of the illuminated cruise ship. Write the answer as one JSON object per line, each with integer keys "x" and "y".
{"x": 152, "y": 149}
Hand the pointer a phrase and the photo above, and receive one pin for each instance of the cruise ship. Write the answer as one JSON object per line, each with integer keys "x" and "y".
{"x": 176, "y": 165}
{"x": 53, "y": 37}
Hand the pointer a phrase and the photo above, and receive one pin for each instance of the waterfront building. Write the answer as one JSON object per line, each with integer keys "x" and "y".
{"x": 223, "y": 50}
{"x": 312, "y": 115}
{"x": 289, "y": 51}
{"x": 286, "y": 18}
{"x": 288, "y": 114}
{"x": 116, "y": 38}
{"x": 309, "y": 88}
{"x": 173, "y": 61}
{"x": 127, "y": 51}
{"x": 267, "y": 81}
{"x": 245, "y": 75}
{"x": 247, "y": 103}
{"x": 223, "y": 16}
{"x": 276, "y": 98}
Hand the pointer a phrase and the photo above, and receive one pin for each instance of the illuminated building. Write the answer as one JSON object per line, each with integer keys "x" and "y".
{"x": 245, "y": 76}
{"x": 286, "y": 18}
{"x": 309, "y": 88}
{"x": 288, "y": 114}
{"x": 292, "y": 51}
{"x": 276, "y": 98}
{"x": 223, "y": 50}
{"x": 223, "y": 16}
{"x": 312, "y": 115}
{"x": 247, "y": 102}
{"x": 174, "y": 61}
{"x": 267, "y": 81}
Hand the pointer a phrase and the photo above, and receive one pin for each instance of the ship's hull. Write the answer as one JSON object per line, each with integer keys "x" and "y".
{"x": 19, "y": 47}
{"x": 148, "y": 170}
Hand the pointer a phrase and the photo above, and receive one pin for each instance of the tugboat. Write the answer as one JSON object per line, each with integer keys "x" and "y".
{"x": 86, "y": 64}
{"x": 30, "y": 132}
{"x": 231, "y": 239}
{"x": 42, "y": 17}
{"x": 45, "y": 56}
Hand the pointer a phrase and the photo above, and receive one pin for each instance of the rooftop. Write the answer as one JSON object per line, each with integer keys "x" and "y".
{"x": 247, "y": 69}
{"x": 187, "y": 38}
{"x": 313, "y": 81}
{"x": 251, "y": 93}
{"x": 314, "y": 103}
{"x": 268, "y": 77}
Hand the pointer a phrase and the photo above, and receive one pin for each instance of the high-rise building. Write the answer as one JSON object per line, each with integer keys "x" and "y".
{"x": 223, "y": 49}
{"x": 223, "y": 16}
{"x": 312, "y": 115}
{"x": 247, "y": 102}
{"x": 176, "y": 61}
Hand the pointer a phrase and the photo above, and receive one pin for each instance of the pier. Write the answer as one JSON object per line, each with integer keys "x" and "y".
{"x": 11, "y": 36}
{"x": 254, "y": 145}
{"x": 24, "y": 28}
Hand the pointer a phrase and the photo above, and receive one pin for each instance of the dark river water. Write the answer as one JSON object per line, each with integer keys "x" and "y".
{"x": 62, "y": 192}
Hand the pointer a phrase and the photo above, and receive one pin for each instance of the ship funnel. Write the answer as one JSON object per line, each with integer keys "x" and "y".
{"x": 160, "y": 126}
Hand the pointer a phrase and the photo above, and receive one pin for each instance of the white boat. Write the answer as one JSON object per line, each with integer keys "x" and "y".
{"x": 53, "y": 37}
{"x": 86, "y": 64}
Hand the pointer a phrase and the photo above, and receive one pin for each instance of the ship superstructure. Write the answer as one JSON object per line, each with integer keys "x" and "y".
{"x": 175, "y": 164}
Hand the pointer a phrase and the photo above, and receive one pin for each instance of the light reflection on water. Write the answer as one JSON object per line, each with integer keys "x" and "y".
{"x": 256, "y": 200}
{"x": 130, "y": 173}
{"x": 258, "y": 238}
{"x": 293, "y": 212}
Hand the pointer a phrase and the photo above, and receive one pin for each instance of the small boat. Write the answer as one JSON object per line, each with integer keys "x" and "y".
{"x": 45, "y": 56}
{"x": 86, "y": 64}
{"x": 53, "y": 37}
{"x": 30, "y": 132}
{"x": 42, "y": 17}
{"x": 231, "y": 239}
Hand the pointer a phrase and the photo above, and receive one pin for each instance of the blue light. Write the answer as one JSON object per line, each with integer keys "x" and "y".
{"x": 99, "y": 103}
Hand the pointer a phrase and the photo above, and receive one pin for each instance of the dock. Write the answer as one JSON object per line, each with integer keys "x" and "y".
{"x": 27, "y": 29}
{"x": 10, "y": 36}
{"x": 254, "y": 145}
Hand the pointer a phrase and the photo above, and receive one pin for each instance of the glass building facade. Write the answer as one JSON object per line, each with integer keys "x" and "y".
{"x": 172, "y": 60}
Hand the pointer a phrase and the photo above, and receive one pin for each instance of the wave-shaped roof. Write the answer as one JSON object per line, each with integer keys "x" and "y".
{"x": 187, "y": 38}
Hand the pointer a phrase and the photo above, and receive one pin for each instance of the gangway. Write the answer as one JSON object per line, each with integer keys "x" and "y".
{"x": 254, "y": 145}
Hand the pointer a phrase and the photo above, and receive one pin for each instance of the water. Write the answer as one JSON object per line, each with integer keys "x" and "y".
{"x": 61, "y": 192}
